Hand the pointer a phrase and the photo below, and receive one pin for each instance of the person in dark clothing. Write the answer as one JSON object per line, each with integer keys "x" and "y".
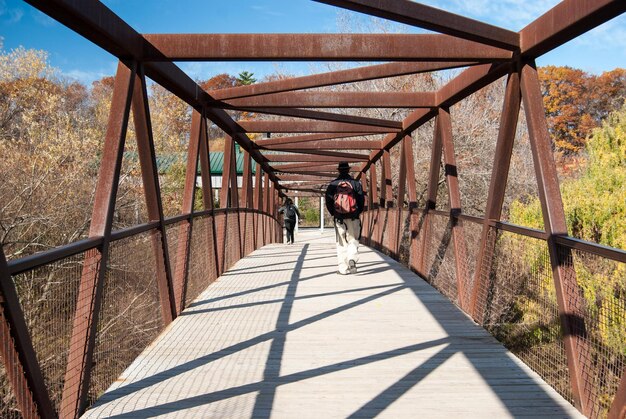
{"x": 290, "y": 212}
{"x": 345, "y": 201}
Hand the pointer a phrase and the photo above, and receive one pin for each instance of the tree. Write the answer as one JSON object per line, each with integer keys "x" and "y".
{"x": 220, "y": 81}
{"x": 245, "y": 78}
{"x": 577, "y": 102}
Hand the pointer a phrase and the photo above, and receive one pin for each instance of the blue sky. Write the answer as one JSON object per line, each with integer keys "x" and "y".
{"x": 599, "y": 50}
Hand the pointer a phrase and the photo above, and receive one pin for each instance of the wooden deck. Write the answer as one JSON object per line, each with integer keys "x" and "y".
{"x": 282, "y": 335}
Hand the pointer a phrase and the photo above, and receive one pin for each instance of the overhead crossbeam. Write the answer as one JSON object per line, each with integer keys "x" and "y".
{"x": 324, "y": 116}
{"x": 335, "y": 77}
{"x": 312, "y": 127}
{"x": 564, "y": 22}
{"x": 327, "y": 99}
{"x": 318, "y": 47}
{"x": 298, "y": 139}
{"x": 329, "y": 145}
{"x": 312, "y": 158}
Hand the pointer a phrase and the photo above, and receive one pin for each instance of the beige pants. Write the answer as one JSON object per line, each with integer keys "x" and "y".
{"x": 347, "y": 234}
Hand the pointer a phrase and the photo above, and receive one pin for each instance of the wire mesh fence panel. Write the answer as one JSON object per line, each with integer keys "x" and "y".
{"x": 418, "y": 247}
{"x": 259, "y": 229}
{"x": 48, "y": 297}
{"x": 518, "y": 305}
{"x": 472, "y": 235}
{"x": 249, "y": 231}
{"x": 176, "y": 236}
{"x": 440, "y": 267}
{"x": 201, "y": 259}
{"x": 130, "y": 317}
{"x": 220, "y": 238}
{"x": 599, "y": 298}
{"x": 231, "y": 255}
{"x": 389, "y": 231}
{"x": 405, "y": 237}
{"x": 8, "y": 403}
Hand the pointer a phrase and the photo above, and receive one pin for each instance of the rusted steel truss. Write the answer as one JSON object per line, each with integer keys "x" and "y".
{"x": 306, "y": 162}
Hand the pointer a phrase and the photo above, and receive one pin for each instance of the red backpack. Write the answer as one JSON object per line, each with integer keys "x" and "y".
{"x": 345, "y": 199}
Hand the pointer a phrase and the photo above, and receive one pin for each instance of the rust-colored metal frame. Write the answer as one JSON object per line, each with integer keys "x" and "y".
{"x": 489, "y": 52}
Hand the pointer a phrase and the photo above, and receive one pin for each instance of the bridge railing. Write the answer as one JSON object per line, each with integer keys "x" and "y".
{"x": 130, "y": 311}
{"x": 514, "y": 295}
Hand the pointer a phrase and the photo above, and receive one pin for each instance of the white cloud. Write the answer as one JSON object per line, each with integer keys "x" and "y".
{"x": 88, "y": 77}
{"x": 510, "y": 14}
{"x": 10, "y": 14}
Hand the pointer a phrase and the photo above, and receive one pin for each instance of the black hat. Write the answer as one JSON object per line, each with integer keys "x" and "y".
{"x": 343, "y": 166}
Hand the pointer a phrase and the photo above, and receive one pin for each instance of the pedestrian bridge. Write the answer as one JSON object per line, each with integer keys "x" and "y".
{"x": 281, "y": 335}
{"x": 205, "y": 313}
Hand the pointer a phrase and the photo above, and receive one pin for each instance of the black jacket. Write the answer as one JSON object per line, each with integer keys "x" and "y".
{"x": 284, "y": 208}
{"x": 332, "y": 189}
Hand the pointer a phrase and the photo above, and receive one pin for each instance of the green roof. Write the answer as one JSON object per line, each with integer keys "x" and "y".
{"x": 216, "y": 160}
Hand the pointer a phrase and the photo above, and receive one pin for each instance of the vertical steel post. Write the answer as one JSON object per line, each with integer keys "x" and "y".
{"x": 412, "y": 192}
{"x": 207, "y": 192}
{"x": 225, "y": 200}
{"x": 246, "y": 200}
{"x": 555, "y": 224}
{"x": 267, "y": 197}
{"x": 225, "y": 193}
{"x": 16, "y": 349}
{"x": 152, "y": 192}
{"x": 258, "y": 203}
{"x": 374, "y": 208}
{"x": 618, "y": 407}
{"x": 185, "y": 235}
{"x": 431, "y": 198}
{"x": 80, "y": 358}
{"x": 497, "y": 189}
{"x": 398, "y": 224}
{"x": 454, "y": 196}
{"x": 386, "y": 186}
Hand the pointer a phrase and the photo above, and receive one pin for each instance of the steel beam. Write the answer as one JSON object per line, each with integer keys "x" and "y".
{"x": 386, "y": 187}
{"x": 618, "y": 407}
{"x": 307, "y": 167}
{"x": 307, "y": 173}
{"x": 314, "y": 152}
{"x": 323, "y": 116}
{"x": 207, "y": 194}
{"x": 312, "y": 127}
{"x": 80, "y": 355}
{"x": 298, "y": 139}
{"x": 330, "y": 145}
{"x": 317, "y": 47}
{"x": 431, "y": 196}
{"x": 420, "y": 15}
{"x": 311, "y": 158}
{"x": 181, "y": 275}
{"x": 497, "y": 188}
{"x": 292, "y": 178}
{"x": 229, "y": 149}
{"x": 152, "y": 193}
{"x": 18, "y": 355}
{"x": 334, "y": 77}
{"x": 324, "y": 99}
{"x": 454, "y": 197}
{"x": 572, "y": 321}
{"x": 564, "y": 22}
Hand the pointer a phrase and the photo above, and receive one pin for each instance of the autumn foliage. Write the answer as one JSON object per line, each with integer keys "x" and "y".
{"x": 576, "y": 102}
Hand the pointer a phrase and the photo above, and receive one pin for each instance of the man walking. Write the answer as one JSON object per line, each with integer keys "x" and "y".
{"x": 344, "y": 201}
{"x": 290, "y": 211}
